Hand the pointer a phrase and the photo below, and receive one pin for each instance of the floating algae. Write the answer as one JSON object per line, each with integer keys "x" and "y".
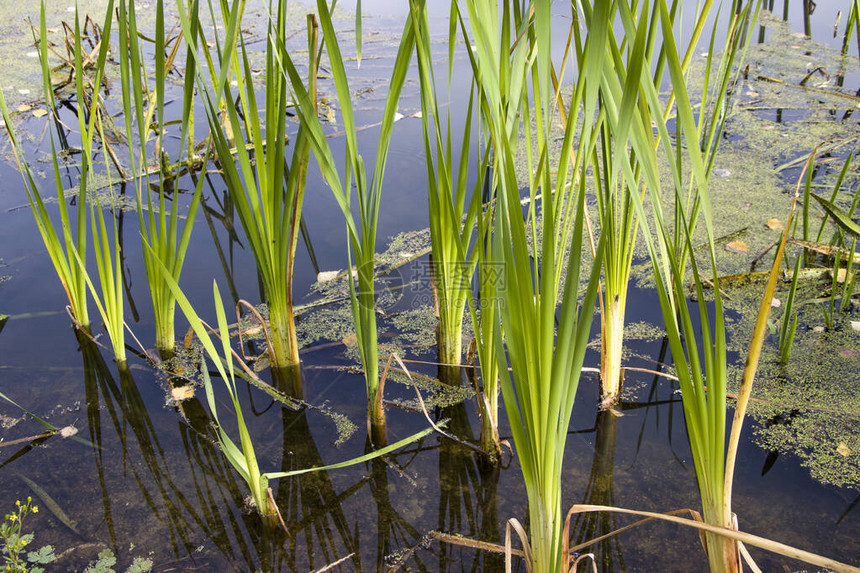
{"x": 809, "y": 407}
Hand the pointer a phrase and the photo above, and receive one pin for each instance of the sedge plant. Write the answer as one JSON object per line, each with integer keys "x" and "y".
{"x": 68, "y": 242}
{"x": 615, "y": 211}
{"x": 267, "y": 192}
{"x": 361, "y": 226}
{"x": 700, "y": 354}
{"x": 457, "y": 238}
{"x": 160, "y": 224}
{"x": 109, "y": 297}
{"x": 69, "y": 255}
{"x": 453, "y": 208}
{"x": 511, "y": 63}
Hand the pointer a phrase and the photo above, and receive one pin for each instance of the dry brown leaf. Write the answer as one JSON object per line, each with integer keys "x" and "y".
{"x": 737, "y": 247}
{"x": 774, "y": 224}
{"x": 350, "y": 340}
{"x": 40, "y": 113}
{"x": 24, "y": 107}
{"x": 181, "y": 393}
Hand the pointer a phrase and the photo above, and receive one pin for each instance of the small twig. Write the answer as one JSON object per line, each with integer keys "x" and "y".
{"x": 277, "y": 510}
{"x": 260, "y": 319}
{"x": 427, "y": 415}
{"x": 30, "y": 438}
{"x": 330, "y": 566}
{"x": 655, "y": 372}
{"x": 756, "y": 260}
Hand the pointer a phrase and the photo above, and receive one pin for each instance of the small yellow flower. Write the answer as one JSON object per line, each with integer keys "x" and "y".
{"x": 13, "y": 517}
{"x": 35, "y": 509}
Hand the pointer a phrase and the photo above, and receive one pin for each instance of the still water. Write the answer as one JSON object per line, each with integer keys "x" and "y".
{"x": 143, "y": 477}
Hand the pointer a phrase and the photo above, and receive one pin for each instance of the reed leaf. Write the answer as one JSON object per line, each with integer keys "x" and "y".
{"x": 160, "y": 225}
{"x": 361, "y": 233}
{"x": 510, "y": 64}
{"x": 452, "y": 219}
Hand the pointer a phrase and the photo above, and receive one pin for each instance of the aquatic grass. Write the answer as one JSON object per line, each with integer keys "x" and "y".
{"x": 361, "y": 233}
{"x": 453, "y": 208}
{"x": 60, "y": 245}
{"x": 266, "y": 191}
{"x": 460, "y": 242}
{"x": 699, "y": 352}
{"x": 242, "y": 456}
{"x": 511, "y": 63}
{"x": 615, "y": 212}
{"x": 160, "y": 226}
{"x": 109, "y": 297}
{"x": 68, "y": 242}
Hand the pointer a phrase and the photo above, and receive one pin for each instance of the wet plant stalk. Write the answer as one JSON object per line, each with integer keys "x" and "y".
{"x": 361, "y": 247}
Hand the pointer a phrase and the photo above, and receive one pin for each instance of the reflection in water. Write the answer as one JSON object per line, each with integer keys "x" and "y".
{"x": 392, "y": 530}
{"x": 468, "y": 483}
{"x": 225, "y": 215}
{"x": 600, "y": 491}
{"x": 310, "y": 505}
{"x": 208, "y": 510}
{"x": 127, "y": 411}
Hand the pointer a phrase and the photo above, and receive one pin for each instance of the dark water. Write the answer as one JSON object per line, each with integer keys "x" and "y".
{"x": 145, "y": 479}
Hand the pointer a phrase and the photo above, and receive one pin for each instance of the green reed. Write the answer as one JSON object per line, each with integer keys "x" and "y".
{"x": 615, "y": 211}
{"x": 160, "y": 225}
{"x": 511, "y": 63}
{"x": 453, "y": 208}
{"x": 68, "y": 242}
{"x": 266, "y": 191}
{"x": 699, "y": 353}
{"x": 361, "y": 233}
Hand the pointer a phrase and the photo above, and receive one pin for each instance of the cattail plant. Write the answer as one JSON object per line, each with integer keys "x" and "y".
{"x": 267, "y": 191}
{"x": 361, "y": 230}
{"x": 615, "y": 212}
{"x": 160, "y": 225}
{"x": 511, "y": 63}
{"x": 453, "y": 208}
{"x": 68, "y": 242}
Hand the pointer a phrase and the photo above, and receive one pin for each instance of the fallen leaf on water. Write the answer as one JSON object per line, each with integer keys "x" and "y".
{"x": 774, "y": 224}
{"x": 350, "y": 340}
{"x": 252, "y": 330}
{"x": 24, "y": 107}
{"x": 326, "y": 276}
{"x": 68, "y": 431}
{"x": 181, "y": 393}
{"x": 849, "y": 353}
{"x": 40, "y": 113}
{"x": 841, "y": 275}
{"x": 737, "y": 247}
{"x": 843, "y": 449}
